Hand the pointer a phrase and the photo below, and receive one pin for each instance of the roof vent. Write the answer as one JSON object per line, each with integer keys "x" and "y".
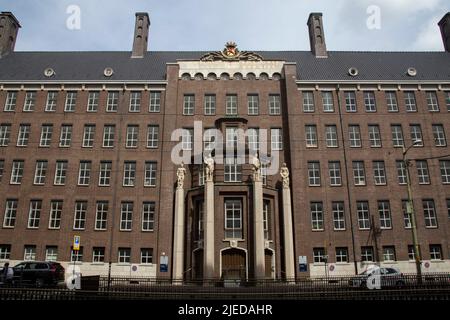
{"x": 353, "y": 71}
{"x": 412, "y": 72}
{"x": 108, "y": 72}
{"x": 49, "y": 72}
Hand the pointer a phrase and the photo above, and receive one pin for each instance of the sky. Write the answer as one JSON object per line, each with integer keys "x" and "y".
{"x": 202, "y": 25}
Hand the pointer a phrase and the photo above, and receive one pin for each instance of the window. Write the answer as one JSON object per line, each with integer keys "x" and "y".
{"x": 253, "y": 104}
{"x": 430, "y": 213}
{"x": 98, "y": 254}
{"x": 362, "y": 209}
{"x": 129, "y": 173}
{"x": 11, "y": 101}
{"x": 274, "y": 104}
{"x": 314, "y": 173}
{"x": 187, "y": 138}
{"x": 444, "y": 165}
{"x": 201, "y": 175}
{"x": 24, "y": 135}
{"x": 210, "y": 104}
{"x": 416, "y": 134}
{"x": 76, "y": 255}
{"x": 92, "y": 105}
{"x": 60, "y": 172}
{"x": 30, "y": 101}
{"x": 374, "y": 136}
{"x": 84, "y": 173}
{"x": 311, "y": 136}
{"x": 112, "y": 101}
{"x": 341, "y": 255}
{"x": 308, "y": 101}
{"x": 233, "y": 170}
{"x": 29, "y": 253}
{"x": 338, "y": 215}
{"x": 126, "y": 216}
{"x": 231, "y": 105}
{"x": 379, "y": 173}
{"x": 447, "y": 100}
{"x": 88, "y": 136}
{"x": 46, "y": 135}
{"x": 350, "y": 101}
{"x": 369, "y": 101}
{"x": 71, "y": 98}
{"x": 448, "y": 207}
{"x": 108, "y": 136}
{"x": 146, "y": 256}
{"x": 253, "y": 139}
{"x": 276, "y": 139}
{"x": 55, "y": 214}
{"x": 422, "y": 171}
{"x": 17, "y": 171}
{"x": 34, "y": 214}
{"x": 150, "y": 174}
{"x": 359, "y": 175}
{"x": 50, "y": 105}
{"x": 40, "y": 172}
{"x": 199, "y": 219}
{"x": 152, "y": 136}
{"x": 432, "y": 101}
{"x": 401, "y": 171}
{"x": 101, "y": 215}
{"x": 148, "y": 216}
{"x": 367, "y": 254}
{"x": 327, "y": 101}
{"x": 391, "y": 101}
{"x": 231, "y": 136}
{"x": 79, "y": 220}
{"x": 233, "y": 219}
{"x": 317, "y": 216}
{"x": 439, "y": 135}
{"x": 266, "y": 219}
{"x": 436, "y": 252}
{"x": 411, "y": 253}
{"x": 66, "y": 135}
{"x": 5, "y": 251}
{"x": 389, "y": 254}
{"x": 331, "y": 136}
{"x": 384, "y": 212}
{"x": 124, "y": 255}
{"x": 51, "y": 253}
{"x": 155, "y": 101}
{"x": 132, "y": 136}
{"x": 135, "y": 101}
{"x": 5, "y": 133}
{"x": 334, "y": 169}
{"x": 354, "y": 136}
{"x": 9, "y": 220}
{"x": 209, "y": 138}
{"x": 406, "y": 216}
{"x": 397, "y": 135}
{"x": 188, "y": 104}
{"x": 319, "y": 255}
{"x": 410, "y": 101}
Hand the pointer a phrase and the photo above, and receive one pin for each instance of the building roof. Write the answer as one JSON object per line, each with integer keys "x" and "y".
{"x": 89, "y": 66}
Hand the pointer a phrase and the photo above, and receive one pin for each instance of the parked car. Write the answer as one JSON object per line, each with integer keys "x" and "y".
{"x": 38, "y": 273}
{"x": 388, "y": 277}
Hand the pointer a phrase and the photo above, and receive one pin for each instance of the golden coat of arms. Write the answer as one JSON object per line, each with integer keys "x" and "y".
{"x": 231, "y": 53}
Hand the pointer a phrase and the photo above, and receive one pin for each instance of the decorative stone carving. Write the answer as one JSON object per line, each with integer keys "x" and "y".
{"x": 231, "y": 52}
{"x": 256, "y": 166}
{"x": 284, "y": 172}
{"x": 209, "y": 167}
{"x": 181, "y": 172}
{"x": 233, "y": 243}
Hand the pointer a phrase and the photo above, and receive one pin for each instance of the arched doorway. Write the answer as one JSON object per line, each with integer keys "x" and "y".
{"x": 234, "y": 264}
{"x": 269, "y": 264}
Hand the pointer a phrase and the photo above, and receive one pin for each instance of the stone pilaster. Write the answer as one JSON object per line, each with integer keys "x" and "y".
{"x": 289, "y": 260}
{"x": 178, "y": 234}
{"x": 208, "y": 230}
{"x": 258, "y": 226}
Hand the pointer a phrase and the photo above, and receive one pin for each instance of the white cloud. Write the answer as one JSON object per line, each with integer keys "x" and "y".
{"x": 404, "y": 6}
{"x": 429, "y": 37}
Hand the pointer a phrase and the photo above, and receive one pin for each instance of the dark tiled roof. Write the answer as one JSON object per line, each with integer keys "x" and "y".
{"x": 89, "y": 66}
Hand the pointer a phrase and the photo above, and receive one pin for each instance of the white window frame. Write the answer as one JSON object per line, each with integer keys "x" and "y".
{"x": 24, "y": 135}
{"x": 384, "y": 212}
{"x": 397, "y": 136}
{"x": 429, "y": 212}
{"x": 379, "y": 173}
{"x": 101, "y": 215}
{"x": 391, "y": 101}
{"x": 132, "y": 136}
{"x": 112, "y": 102}
{"x": 150, "y": 169}
{"x": 126, "y": 216}
{"x": 146, "y": 256}
{"x": 274, "y": 104}
{"x": 389, "y": 254}
{"x": 354, "y": 136}
{"x": 46, "y": 135}
{"x": 155, "y": 102}
{"x": 124, "y": 256}
{"x": 370, "y": 101}
{"x": 232, "y": 170}
{"x": 416, "y": 135}
{"x": 93, "y": 98}
{"x": 341, "y": 255}
{"x": 314, "y": 173}
{"x": 439, "y": 135}
{"x": 311, "y": 135}
{"x": 79, "y": 218}
{"x": 276, "y": 139}
{"x": 401, "y": 172}
{"x": 423, "y": 172}
{"x": 209, "y": 104}
{"x": 432, "y": 101}
{"x": 129, "y": 174}
{"x": 40, "y": 172}
{"x": 51, "y": 253}
{"x": 5, "y": 134}
{"x": 65, "y": 138}
{"x": 233, "y": 217}
{"x": 338, "y": 215}
{"x": 152, "y": 136}
{"x": 84, "y": 173}
{"x": 61, "y": 172}
{"x": 308, "y": 101}
{"x": 350, "y": 101}
{"x": 135, "y": 101}
{"x": 444, "y": 166}
{"x": 334, "y": 171}
{"x": 253, "y": 104}
{"x": 52, "y": 100}
{"x": 231, "y": 105}
{"x": 29, "y": 253}
{"x": 148, "y": 216}
{"x": 88, "y": 136}
{"x": 71, "y": 100}
{"x": 54, "y": 221}
{"x": 11, "y": 101}
{"x": 317, "y": 216}
{"x": 410, "y": 101}
{"x": 359, "y": 173}
{"x": 327, "y": 101}
{"x": 9, "y": 219}
{"x": 34, "y": 214}
{"x": 363, "y": 212}
{"x": 104, "y": 176}
{"x": 98, "y": 255}
{"x": 374, "y": 136}
{"x": 108, "y": 136}
{"x": 188, "y": 104}
{"x": 30, "y": 101}
{"x": 17, "y": 171}
{"x": 331, "y": 136}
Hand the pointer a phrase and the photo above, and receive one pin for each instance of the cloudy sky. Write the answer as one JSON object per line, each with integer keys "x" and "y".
{"x": 403, "y": 25}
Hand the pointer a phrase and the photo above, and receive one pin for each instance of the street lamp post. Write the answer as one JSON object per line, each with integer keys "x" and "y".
{"x": 410, "y": 212}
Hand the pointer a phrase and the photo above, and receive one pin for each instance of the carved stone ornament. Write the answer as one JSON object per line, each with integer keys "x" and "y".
{"x": 209, "y": 167}
{"x": 284, "y": 172}
{"x": 181, "y": 171}
{"x": 231, "y": 53}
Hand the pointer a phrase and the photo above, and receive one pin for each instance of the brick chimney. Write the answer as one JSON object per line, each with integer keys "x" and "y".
{"x": 9, "y": 27}
{"x": 444, "y": 25}
{"x": 140, "y": 41}
{"x": 317, "y": 35}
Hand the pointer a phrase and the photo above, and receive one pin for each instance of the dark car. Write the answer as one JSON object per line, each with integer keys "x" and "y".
{"x": 38, "y": 273}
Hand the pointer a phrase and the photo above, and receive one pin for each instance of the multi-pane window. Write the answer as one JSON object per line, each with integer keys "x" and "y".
{"x": 135, "y": 101}
{"x": 401, "y": 171}
{"x": 410, "y": 101}
{"x": 369, "y": 101}
{"x": 30, "y": 101}
{"x": 46, "y": 135}
{"x": 148, "y": 216}
{"x": 319, "y": 255}
{"x": 155, "y": 101}
{"x": 327, "y": 101}
{"x": 79, "y": 219}
{"x": 201, "y": 175}
{"x": 51, "y": 253}
{"x": 429, "y": 211}
{"x": 233, "y": 219}
{"x": 367, "y": 254}
{"x": 150, "y": 174}
{"x": 331, "y": 136}
{"x": 124, "y": 255}
{"x": 362, "y": 209}
{"x": 54, "y": 221}
{"x": 112, "y": 101}
{"x": 5, "y": 134}
{"x": 274, "y": 104}
{"x": 60, "y": 172}
{"x": 266, "y": 219}
{"x": 84, "y": 173}
{"x": 447, "y": 100}
{"x": 422, "y": 171}
{"x": 411, "y": 253}
{"x": 253, "y": 104}
{"x": 416, "y": 135}
{"x": 187, "y": 138}
{"x": 379, "y": 172}
{"x": 17, "y": 171}
{"x": 359, "y": 175}
{"x": 29, "y": 253}
{"x": 253, "y": 139}
{"x": 389, "y": 253}
{"x": 92, "y": 105}
{"x": 384, "y": 212}
{"x": 132, "y": 136}
{"x": 317, "y": 215}
{"x": 108, "y": 136}
{"x": 50, "y": 105}
{"x": 354, "y": 136}
{"x": 34, "y": 214}
{"x": 391, "y": 101}
{"x": 129, "y": 173}
{"x": 439, "y": 135}
{"x": 406, "y": 216}
{"x": 209, "y": 139}
{"x": 432, "y": 101}
{"x": 313, "y": 173}
{"x": 5, "y": 251}
{"x": 88, "y": 135}
{"x": 76, "y": 255}
{"x": 24, "y": 135}
{"x": 66, "y": 135}
{"x": 11, "y": 101}
{"x": 374, "y": 136}
{"x": 40, "y": 171}
{"x": 9, "y": 220}
{"x": 444, "y": 166}
{"x": 233, "y": 170}
{"x": 311, "y": 136}
{"x": 350, "y": 101}
{"x": 334, "y": 170}
{"x": 126, "y": 216}
{"x": 231, "y": 105}
{"x": 152, "y": 136}
{"x": 397, "y": 135}
{"x": 436, "y": 252}
{"x": 101, "y": 215}
{"x": 98, "y": 254}
{"x": 188, "y": 104}
{"x": 308, "y": 101}
{"x": 71, "y": 99}
{"x": 146, "y": 256}
{"x": 210, "y": 104}
{"x": 276, "y": 139}
{"x": 338, "y": 215}
{"x": 342, "y": 254}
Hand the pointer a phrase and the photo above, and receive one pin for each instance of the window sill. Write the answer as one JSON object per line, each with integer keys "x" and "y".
{"x": 97, "y": 263}
{"x": 7, "y": 227}
{"x": 437, "y": 261}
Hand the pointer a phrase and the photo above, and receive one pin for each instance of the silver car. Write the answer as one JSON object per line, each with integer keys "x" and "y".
{"x": 377, "y": 278}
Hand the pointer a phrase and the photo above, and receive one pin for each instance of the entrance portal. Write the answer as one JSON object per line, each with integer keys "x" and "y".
{"x": 233, "y": 264}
